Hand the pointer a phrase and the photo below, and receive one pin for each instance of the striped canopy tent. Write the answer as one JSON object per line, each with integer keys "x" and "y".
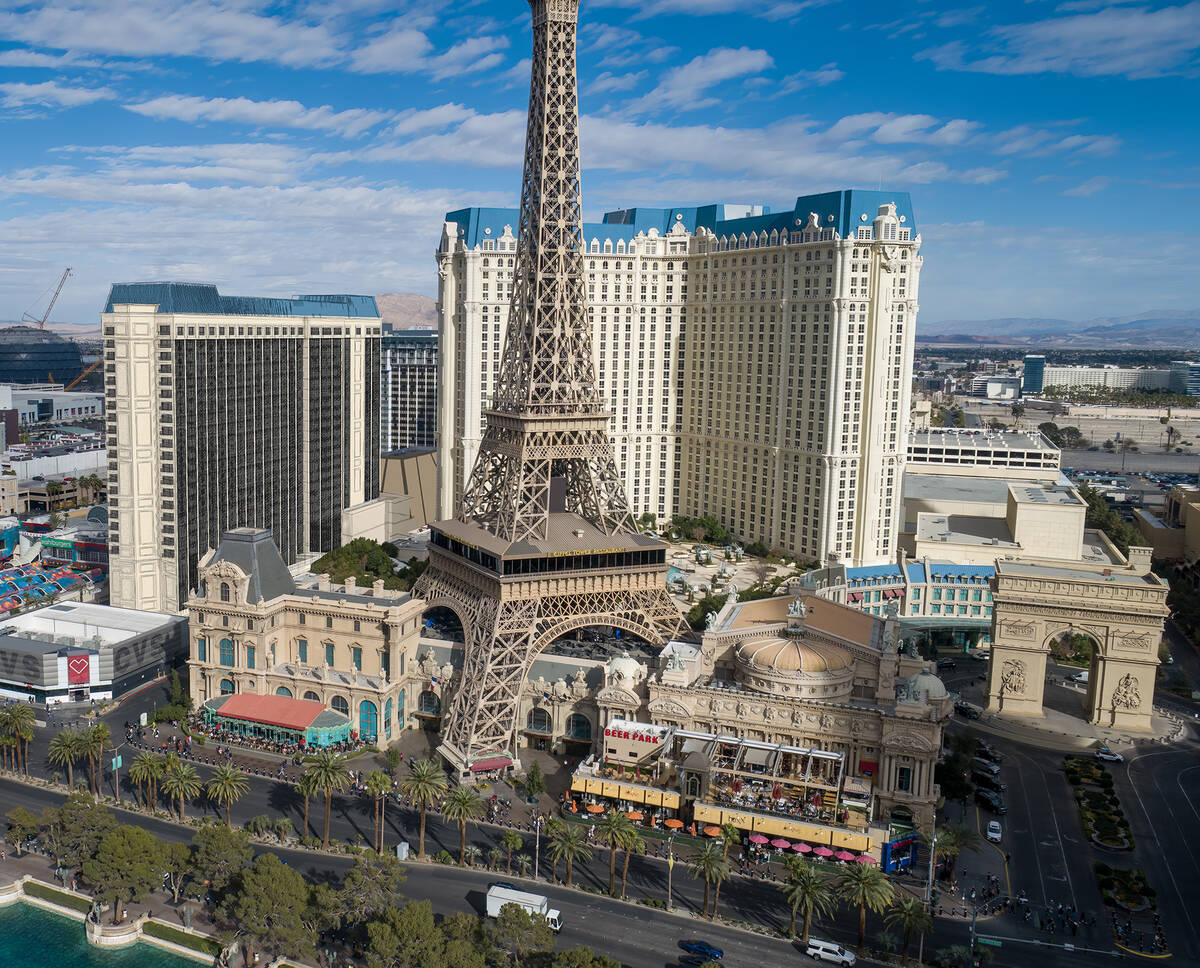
{"x": 279, "y": 719}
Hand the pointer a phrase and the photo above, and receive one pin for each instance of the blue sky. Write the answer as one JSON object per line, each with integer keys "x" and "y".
{"x": 276, "y": 148}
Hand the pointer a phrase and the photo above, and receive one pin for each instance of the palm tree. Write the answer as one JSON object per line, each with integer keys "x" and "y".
{"x": 865, "y": 886}
{"x": 909, "y": 914}
{"x": 378, "y": 786}
{"x": 425, "y": 783}
{"x": 66, "y": 748}
{"x": 307, "y": 788}
{"x": 951, "y": 842}
{"x": 808, "y": 891}
{"x": 94, "y": 740}
{"x": 566, "y": 844}
{"x": 463, "y": 805}
{"x": 21, "y": 719}
{"x": 634, "y": 844}
{"x": 510, "y": 840}
{"x": 8, "y": 738}
{"x": 143, "y": 771}
{"x": 227, "y": 786}
{"x": 524, "y": 862}
{"x": 613, "y": 829}
{"x": 329, "y": 776}
{"x": 731, "y": 835}
{"x": 181, "y": 782}
{"x": 710, "y": 864}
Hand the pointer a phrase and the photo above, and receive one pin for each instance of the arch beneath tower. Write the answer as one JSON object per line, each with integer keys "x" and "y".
{"x": 1121, "y": 613}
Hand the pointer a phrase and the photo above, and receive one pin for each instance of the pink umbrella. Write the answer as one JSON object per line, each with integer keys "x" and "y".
{"x": 781, "y": 843}
{"x": 823, "y": 852}
{"x": 865, "y": 859}
{"x": 757, "y": 839}
{"x": 802, "y": 848}
{"x": 844, "y": 855}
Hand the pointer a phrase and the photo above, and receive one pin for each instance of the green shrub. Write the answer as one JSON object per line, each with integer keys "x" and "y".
{"x": 55, "y": 896}
{"x": 166, "y": 932}
{"x": 653, "y": 902}
{"x": 443, "y": 857}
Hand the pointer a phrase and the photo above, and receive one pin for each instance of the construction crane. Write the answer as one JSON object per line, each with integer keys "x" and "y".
{"x": 29, "y": 318}
{"x": 91, "y": 366}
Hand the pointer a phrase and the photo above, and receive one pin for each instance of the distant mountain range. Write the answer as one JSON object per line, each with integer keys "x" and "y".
{"x": 1155, "y": 329}
{"x": 406, "y": 310}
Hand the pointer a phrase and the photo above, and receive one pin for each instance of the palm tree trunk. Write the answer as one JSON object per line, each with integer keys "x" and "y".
{"x": 117, "y": 911}
{"x": 70, "y": 774}
{"x": 716, "y": 899}
{"x": 508, "y": 863}
{"x": 181, "y": 806}
{"x": 862, "y": 925}
{"x": 704, "y": 910}
{"x": 305, "y": 834}
{"x": 568, "y": 871}
{"x": 792, "y": 929}
{"x": 907, "y": 938}
{"x": 807, "y": 926}
{"x": 612, "y": 870}
{"x": 228, "y": 820}
{"x": 382, "y": 820}
{"x": 625, "y": 873}
{"x": 328, "y": 809}
{"x": 462, "y": 843}
{"x": 421, "y": 836}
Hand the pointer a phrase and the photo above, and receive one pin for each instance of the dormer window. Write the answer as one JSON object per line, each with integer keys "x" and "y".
{"x": 225, "y": 597}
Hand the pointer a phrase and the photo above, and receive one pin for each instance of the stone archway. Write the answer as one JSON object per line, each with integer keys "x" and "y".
{"x": 1122, "y": 612}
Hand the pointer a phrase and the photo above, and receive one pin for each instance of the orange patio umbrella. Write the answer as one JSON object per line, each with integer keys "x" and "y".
{"x": 712, "y": 831}
{"x": 673, "y": 823}
{"x": 594, "y": 808}
{"x": 634, "y": 815}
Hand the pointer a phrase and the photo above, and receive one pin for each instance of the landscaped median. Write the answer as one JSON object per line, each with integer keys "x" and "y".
{"x": 1099, "y": 807}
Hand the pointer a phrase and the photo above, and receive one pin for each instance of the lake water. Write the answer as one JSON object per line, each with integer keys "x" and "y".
{"x": 33, "y": 938}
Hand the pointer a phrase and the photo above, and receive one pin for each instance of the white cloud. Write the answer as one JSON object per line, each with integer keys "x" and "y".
{"x": 607, "y": 81}
{"x": 413, "y": 120}
{"x": 405, "y": 50}
{"x": 223, "y": 30}
{"x": 51, "y": 94}
{"x": 1089, "y": 187}
{"x": 240, "y": 110}
{"x": 795, "y": 80}
{"x": 683, "y": 88}
{"x": 779, "y": 10}
{"x": 1136, "y": 42}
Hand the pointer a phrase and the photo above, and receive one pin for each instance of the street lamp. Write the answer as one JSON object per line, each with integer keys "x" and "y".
{"x": 670, "y": 865}
{"x": 928, "y": 890}
{"x": 537, "y": 843}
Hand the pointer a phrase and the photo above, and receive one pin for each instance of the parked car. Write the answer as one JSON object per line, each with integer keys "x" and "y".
{"x": 1104, "y": 753}
{"x": 994, "y": 831}
{"x": 991, "y": 800}
{"x": 946, "y": 665}
{"x": 822, "y": 950}
{"x": 964, "y": 708}
{"x": 988, "y": 753}
{"x": 703, "y": 949}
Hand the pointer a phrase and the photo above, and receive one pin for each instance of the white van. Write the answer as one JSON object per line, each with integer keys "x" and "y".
{"x": 820, "y": 950}
{"x": 1080, "y": 677}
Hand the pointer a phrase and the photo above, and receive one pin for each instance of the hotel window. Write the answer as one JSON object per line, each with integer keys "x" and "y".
{"x": 357, "y": 656}
{"x": 903, "y": 779}
{"x": 249, "y": 657}
{"x": 226, "y": 652}
{"x": 329, "y": 621}
{"x": 329, "y": 655}
{"x": 202, "y": 650}
{"x": 302, "y": 650}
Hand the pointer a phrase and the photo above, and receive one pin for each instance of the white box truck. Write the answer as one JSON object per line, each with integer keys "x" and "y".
{"x": 498, "y": 896}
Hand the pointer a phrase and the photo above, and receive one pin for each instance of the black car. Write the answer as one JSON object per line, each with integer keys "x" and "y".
{"x": 989, "y": 782}
{"x": 988, "y": 753}
{"x": 992, "y": 801}
{"x": 946, "y": 664}
{"x": 966, "y": 709}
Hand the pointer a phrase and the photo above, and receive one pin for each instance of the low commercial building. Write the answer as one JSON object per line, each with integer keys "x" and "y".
{"x": 35, "y": 403}
{"x": 1025, "y": 455}
{"x": 1176, "y": 533}
{"x": 78, "y": 652}
{"x": 1110, "y": 377}
{"x": 253, "y": 630}
{"x": 1185, "y": 377}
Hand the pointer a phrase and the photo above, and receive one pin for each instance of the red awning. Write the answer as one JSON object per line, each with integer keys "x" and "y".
{"x": 281, "y": 711}
{"x": 490, "y": 763}
{"x": 854, "y": 596}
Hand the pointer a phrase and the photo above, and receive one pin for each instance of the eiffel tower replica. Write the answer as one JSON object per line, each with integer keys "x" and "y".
{"x": 544, "y": 542}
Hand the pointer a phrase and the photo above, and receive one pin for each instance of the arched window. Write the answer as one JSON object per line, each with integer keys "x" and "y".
{"x": 284, "y": 691}
{"x": 400, "y": 709}
{"x": 224, "y": 591}
{"x": 387, "y": 719}
{"x": 368, "y": 720}
{"x": 312, "y": 696}
{"x": 226, "y": 652}
{"x": 539, "y": 721}
{"x": 227, "y": 687}
{"x": 693, "y": 785}
{"x": 340, "y": 705}
{"x": 579, "y": 728}
{"x": 428, "y": 704}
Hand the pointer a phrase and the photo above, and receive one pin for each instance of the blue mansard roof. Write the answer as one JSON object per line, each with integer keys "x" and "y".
{"x": 203, "y": 299}
{"x": 841, "y": 210}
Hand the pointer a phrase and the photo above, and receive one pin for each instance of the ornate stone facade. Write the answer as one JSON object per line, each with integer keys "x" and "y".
{"x": 1122, "y": 613}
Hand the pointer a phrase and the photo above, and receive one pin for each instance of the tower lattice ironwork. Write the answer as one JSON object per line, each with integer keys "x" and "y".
{"x": 544, "y": 542}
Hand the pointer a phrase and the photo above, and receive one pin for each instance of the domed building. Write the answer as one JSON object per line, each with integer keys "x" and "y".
{"x": 31, "y": 355}
{"x": 793, "y": 667}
